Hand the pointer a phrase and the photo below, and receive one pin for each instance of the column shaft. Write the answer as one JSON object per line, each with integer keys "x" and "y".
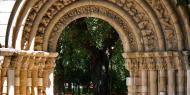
{"x": 34, "y": 82}
{"x": 144, "y": 82}
{"x": 188, "y": 82}
{"x": 29, "y": 83}
{"x": 23, "y": 82}
{"x": 180, "y": 82}
{"x": 17, "y": 82}
{"x": 171, "y": 82}
{"x": 10, "y": 82}
{"x": 45, "y": 80}
{"x": 1, "y": 85}
{"x": 5, "y": 83}
{"x": 50, "y": 89}
{"x": 162, "y": 82}
{"x": 153, "y": 82}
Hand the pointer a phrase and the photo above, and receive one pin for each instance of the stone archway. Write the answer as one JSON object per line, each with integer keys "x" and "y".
{"x": 154, "y": 34}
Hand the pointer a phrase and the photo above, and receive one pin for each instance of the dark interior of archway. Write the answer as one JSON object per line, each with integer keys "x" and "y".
{"x": 90, "y": 57}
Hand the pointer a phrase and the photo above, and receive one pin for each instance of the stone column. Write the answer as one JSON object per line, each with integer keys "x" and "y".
{"x": 5, "y": 67}
{"x": 180, "y": 82}
{"x": 45, "y": 78}
{"x": 17, "y": 64}
{"x": 188, "y": 82}
{"x": 162, "y": 76}
{"x": 171, "y": 76}
{"x": 40, "y": 75}
{"x": 144, "y": 76}
{"x": 35, "y": 76}
{"x": 144, "y": 82}
{"x": 153, "y": 82}
{"x": 187, "y": 74}
{"x": 29, "y": 75}
{"x": 153, "y": 79}
{"x": 47, "y": 70}
{"x": 180, "y": 75}
{"x": 1, "y": 62}
{"x": 23, "y": 75}
{"x": 11, "y": 74}
{"x": 5, "y": 59}
{"x": 130, "y": 80}
{"x": 171, "y": 82}
{"x": 162, "y": 82}
{"x": 50, "y": 64}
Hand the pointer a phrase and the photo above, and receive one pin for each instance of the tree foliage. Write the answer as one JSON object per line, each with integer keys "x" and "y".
{"x": 85, "y": 47}
{"x": 183, "y": 2}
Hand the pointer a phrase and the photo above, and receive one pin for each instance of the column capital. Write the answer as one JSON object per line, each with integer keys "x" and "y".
{"x": 50, "y": 63}
{"x": 151, "y": 63}
{"x": 159, "y": 60}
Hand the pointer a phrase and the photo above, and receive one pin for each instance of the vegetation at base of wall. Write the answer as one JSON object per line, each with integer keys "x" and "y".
{"x": 90, "y": 52}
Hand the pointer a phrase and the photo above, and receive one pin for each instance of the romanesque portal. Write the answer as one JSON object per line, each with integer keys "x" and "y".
{"x": 154, "y": 33}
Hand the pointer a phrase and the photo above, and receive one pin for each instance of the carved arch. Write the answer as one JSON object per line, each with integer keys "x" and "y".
{"x": 145, "y": 19}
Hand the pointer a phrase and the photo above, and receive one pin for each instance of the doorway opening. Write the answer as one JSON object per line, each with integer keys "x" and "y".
{"x": 90, "y": 60}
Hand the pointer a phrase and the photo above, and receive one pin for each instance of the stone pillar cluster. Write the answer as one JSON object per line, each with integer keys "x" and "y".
{"x": 26, "y": 72}
{"x": 151, "y": 73}
{"x": 158, "y": 73}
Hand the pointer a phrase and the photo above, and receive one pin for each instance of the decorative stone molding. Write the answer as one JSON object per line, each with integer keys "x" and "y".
{"x": 29, "y": 68}
{"x": 155, "y": 60}
{"x": 166, "y": 70}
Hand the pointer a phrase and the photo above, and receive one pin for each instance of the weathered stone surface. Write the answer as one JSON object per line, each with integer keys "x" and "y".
{"x": 153, "y": 34}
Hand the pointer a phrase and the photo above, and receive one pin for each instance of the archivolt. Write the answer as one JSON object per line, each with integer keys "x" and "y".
{"x": 143, "y": 25}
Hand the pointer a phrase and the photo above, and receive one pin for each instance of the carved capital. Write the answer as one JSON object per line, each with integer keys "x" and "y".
{"x": 16, "y": 61}
{"x": 142, "y": 64}
{"x": 36, "y": 63}
{"x": 186, "y": 59}
{"x": 6, "y": 62}
{"x": 131, "y": 64}
{"x": 5, "y": 65}
{"x": 151, "y": 63}
{"x": 178, "y": 63}
{"x": 169, "y": 62}
{"x": 25, "y": 62}
{"x": 50, "y": 63}
{"x": 161, "y": 63}
{"x": 31, "y": 62}
{"x": 41, "y": 67}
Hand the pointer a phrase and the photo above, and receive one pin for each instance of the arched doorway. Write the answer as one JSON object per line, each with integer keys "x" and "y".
{"x": 90, "y": 51}
{"x": 154, "y": 34}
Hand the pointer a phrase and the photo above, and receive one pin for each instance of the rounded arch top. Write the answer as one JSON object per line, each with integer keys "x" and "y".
{"x": 139, "y": 24}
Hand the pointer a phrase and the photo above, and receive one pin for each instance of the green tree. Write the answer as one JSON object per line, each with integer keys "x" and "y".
{"x": 87, "y": 48}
